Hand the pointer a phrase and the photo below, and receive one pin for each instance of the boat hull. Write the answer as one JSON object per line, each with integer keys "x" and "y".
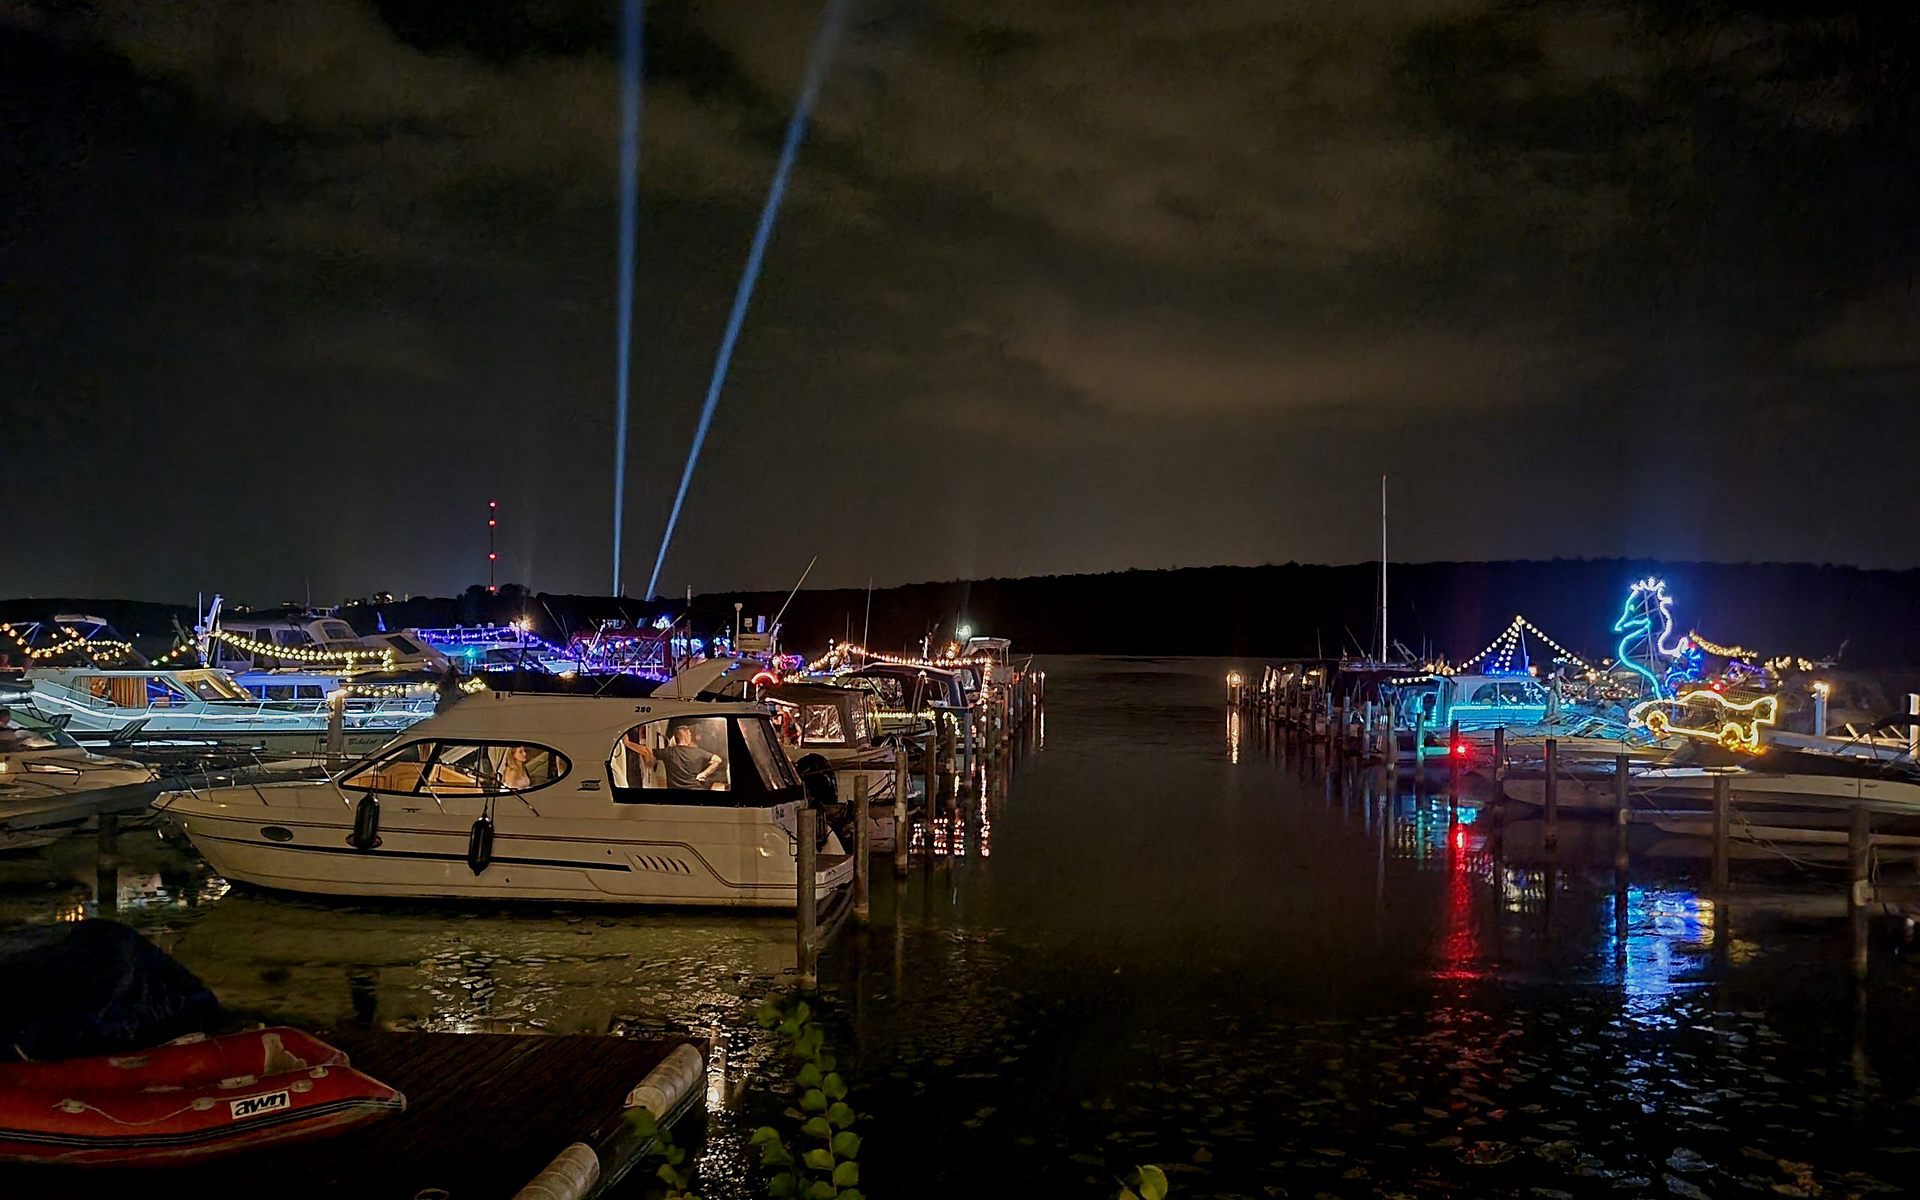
{"x": 295, "y": 838}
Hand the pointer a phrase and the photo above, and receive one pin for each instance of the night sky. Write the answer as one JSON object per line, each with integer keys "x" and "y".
{"x": 293, "y": 287}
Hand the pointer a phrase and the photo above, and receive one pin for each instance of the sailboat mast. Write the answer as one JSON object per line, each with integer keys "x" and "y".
{"x": 1383, "y": 569}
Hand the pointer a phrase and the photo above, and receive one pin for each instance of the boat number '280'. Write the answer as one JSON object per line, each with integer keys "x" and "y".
{"x": 253, "y": 1106}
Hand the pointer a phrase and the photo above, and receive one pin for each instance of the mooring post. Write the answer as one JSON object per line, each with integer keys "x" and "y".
{"x": 336, "y": 725}
{"x": 1860, "y": 889}
{"x": 107, "y": 865}
{"x": 1621, "y": 816}
{"x": 862, "y": 850}
{"x": 1390, "y": 738}
{"x": 1722, "y": 826}
{"x": 1552, "y": 797}
{"x": 1419, "y": 734}
{"x": 1455, "y": 747}
{"x": 807, "y": 912}
{"x": 930, "y": 771}
{"x": 1499, "y": 752}
{"x": 900, "y": 781}
{"x": 949, "y": 740}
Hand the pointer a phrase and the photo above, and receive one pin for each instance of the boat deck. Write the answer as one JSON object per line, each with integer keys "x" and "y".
{"x": 485, "y": 1114}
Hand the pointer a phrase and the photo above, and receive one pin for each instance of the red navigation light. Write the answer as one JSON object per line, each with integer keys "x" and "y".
{"x": 1719, "y": 686}
{"x": 491, "y": 523}
{"x": 491, "y": 556}
{"x": 493, "y": 504}
{"x": 1460, "y": 748}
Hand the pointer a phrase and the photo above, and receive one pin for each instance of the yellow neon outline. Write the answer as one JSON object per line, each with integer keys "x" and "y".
{"x": 1730, "y": 733}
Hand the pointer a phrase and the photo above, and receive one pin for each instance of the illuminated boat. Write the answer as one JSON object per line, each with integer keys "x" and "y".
{"x": 42, "y": 768}
{"x": 833, "y": 736}
{"x": 303, "y": 640}
{"x": 147, "y": 705}
{"x": 618, "y": 793}
{"x": 189, "y": 1100}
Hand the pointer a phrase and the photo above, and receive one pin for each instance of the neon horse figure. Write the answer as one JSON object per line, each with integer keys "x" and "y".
{"x": 1640, "y": 649}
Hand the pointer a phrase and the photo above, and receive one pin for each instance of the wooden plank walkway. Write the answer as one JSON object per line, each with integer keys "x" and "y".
{"x": 485, "y": 1113}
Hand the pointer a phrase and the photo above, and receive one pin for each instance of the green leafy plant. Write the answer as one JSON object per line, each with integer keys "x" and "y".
{"x": 1147, "y": 1183}
{"x": 673, "y": 1171}
{"x": 822, "y": 1160}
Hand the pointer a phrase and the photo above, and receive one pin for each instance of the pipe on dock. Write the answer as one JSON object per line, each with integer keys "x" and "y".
{"x": 572, "y": 1175}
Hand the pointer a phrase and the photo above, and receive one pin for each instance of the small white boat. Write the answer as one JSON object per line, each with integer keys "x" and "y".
{"x": 1689, "y": 789}
{"x": 662, "y": 799}
{"x": 51, "y": 785}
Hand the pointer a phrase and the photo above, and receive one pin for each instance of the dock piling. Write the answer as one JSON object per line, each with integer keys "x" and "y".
{"x": 1552, "y": 793}
{"x": 900, "y": 781}
{"x": 807, "y": 912}
{"x": 1859, "y": 875}
{"x": 1621, "y": 816}
{"x": 107, "y": 866}
{"x": 1722, "y": 827}
{"x": 1499, "y": 752}
{"x": 862, "y": 851}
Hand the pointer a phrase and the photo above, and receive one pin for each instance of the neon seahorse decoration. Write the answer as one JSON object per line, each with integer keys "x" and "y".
{"x": 1648, "y": 603}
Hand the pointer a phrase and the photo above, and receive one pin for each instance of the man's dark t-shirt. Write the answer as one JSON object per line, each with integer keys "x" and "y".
{"x": 684, "y": 764}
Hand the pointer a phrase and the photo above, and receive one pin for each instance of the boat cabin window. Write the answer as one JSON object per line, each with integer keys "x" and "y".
{"x": 404, "y": 645}
{"x": 288, "y": 637}
{"x": 821, "y": 723}
{"x": 700, "y": 760}
{"x": 336, "y": 631}
{"x": 461, "y": 768}
{"x": 1506, "y": 692}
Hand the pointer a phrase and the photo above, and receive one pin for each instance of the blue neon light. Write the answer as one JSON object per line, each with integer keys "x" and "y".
{"x": 818, "y": 58}
{"x": 1646, "y": 599}
{"x": 630, "y": 97}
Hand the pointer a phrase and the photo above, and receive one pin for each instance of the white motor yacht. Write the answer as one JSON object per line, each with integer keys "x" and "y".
{"x": 154, "y": 704}
{"x": 670, "y": 798}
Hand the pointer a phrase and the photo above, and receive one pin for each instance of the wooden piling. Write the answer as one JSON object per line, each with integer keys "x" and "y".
{"x": 1860, "y": 891}
{"x": 862, "y": 850}
{"x": 930, "y": 771}
{"x": 1552, "y": 789}
{"x": 900, "y": 781}
{"x": 107, "y": 866}
{"x": 1499, "y": 752}
{"x": 806, "y": 934}
{"x": 1622, "y": 815}
{"x": 1722, "y": 827}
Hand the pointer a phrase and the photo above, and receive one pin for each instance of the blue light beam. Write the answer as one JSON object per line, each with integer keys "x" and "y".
{"x": 630, "y": 95}
{"x": 818, "y": 59}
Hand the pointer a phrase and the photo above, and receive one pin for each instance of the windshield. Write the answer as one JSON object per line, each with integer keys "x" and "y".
{"x": 24, "y": 732}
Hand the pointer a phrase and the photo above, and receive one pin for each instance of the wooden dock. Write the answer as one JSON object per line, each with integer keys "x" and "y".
{"x": 486, "y": 1113}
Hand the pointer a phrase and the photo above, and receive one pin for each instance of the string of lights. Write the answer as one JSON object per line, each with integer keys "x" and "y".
{"x": 259, "y": 649}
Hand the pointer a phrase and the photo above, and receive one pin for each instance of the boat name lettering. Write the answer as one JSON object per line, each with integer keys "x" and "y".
{"x": 253, "y": 1106}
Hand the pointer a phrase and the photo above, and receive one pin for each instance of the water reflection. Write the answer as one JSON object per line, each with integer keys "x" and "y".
{"x": 1274, "y": 971}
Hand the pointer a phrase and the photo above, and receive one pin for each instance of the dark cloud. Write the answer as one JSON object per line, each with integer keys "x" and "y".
{"x": 1059, "y": 287}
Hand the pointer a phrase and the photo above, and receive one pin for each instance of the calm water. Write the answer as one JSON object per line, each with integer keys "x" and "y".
{"x": 1163, "y": 939}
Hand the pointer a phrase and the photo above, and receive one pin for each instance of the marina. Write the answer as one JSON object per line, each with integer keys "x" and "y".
{"x": 833, "y": 601}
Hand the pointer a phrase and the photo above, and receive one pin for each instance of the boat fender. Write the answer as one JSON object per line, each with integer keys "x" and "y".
{"x": 366, "y": 824}
{"x": 480, "y": 845}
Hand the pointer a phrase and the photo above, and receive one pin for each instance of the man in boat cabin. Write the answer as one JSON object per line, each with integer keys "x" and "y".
{"x": 12, "y": 737}
{"x": 689, "y": 766}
